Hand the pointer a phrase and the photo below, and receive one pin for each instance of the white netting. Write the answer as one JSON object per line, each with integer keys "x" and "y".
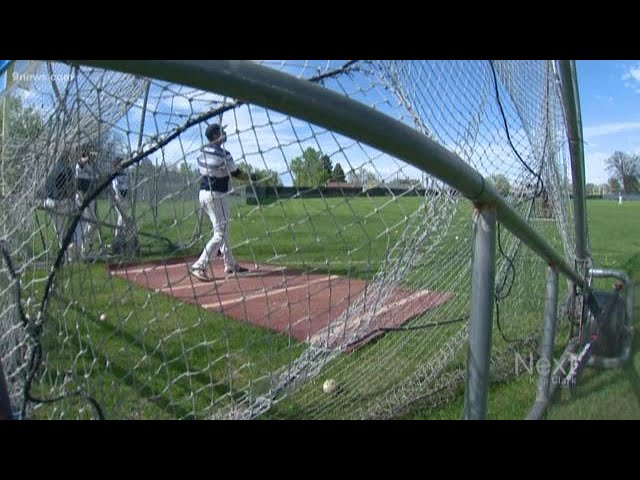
{"x": 362, "y": 277}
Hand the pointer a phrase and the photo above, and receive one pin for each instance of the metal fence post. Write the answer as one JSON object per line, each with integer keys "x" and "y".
{"x": 571, "y": 102}
{"x": 549, "y": 335}
{"x": 481, "y": 319}
{"x": 543, "y": 395}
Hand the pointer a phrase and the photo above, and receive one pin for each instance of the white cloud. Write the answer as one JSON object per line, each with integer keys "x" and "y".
{"x": 622, "y": 136}
{"x": 186, "y": 102}
{"x": 632, "y": 74}
{"x": 595, "y": 168}
{"x": 609, "y": 129}
{"x": 604, "y": 98}
{"x": 180, "y": 99}
{"x": 631, "y": 78}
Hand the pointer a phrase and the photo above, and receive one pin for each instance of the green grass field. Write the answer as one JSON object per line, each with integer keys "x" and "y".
{"x": 615, "y": 394}
{"x": 601, "y": 394}
{"x": 166, "y": 359}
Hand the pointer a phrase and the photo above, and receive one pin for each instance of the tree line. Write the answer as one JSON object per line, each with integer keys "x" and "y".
{"x": 625, "y": 172}
{"x": 623, "y": 168}
{"x": 310, "y": 169}
{"x": 24, "y": 125}
{"x": 315, "y": 169}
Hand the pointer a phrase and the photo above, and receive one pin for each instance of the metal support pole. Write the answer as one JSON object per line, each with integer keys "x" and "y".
{"x": 481, "y": 323}
{"x": 549, "y": 335}
{"x": 571, "y": 102}
{"x": 138, "y": 149}
{"x": 548, "y": 344}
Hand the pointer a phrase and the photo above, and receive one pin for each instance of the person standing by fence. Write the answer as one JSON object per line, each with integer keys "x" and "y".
{"x": 85, "y": 183}
{"x": 126, "y": 240}
{"x": 60, "y": 202}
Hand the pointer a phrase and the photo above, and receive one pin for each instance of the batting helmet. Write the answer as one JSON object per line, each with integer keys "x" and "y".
{"x": 213, "y": 131}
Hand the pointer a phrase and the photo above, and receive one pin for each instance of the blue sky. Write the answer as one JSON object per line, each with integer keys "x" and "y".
{"x": 610, "y": 104}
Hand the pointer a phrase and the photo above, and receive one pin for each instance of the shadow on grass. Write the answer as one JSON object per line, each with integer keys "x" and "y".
{"x": 629, "y": 370}
{"x": 127, "y": 376}
{"x": 595, "y": 380}
{"x": 631, "y": 374}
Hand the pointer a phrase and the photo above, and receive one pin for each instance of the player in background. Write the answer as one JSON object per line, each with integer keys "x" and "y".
{"x": 85, "y": 176}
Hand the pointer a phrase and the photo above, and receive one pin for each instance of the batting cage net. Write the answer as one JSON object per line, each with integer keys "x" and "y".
{"x": 338, "y": 284}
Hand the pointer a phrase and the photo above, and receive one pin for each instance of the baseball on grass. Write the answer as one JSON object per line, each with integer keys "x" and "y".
{"x": 329, "y": 386}
{"x": 103, "y": 317}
